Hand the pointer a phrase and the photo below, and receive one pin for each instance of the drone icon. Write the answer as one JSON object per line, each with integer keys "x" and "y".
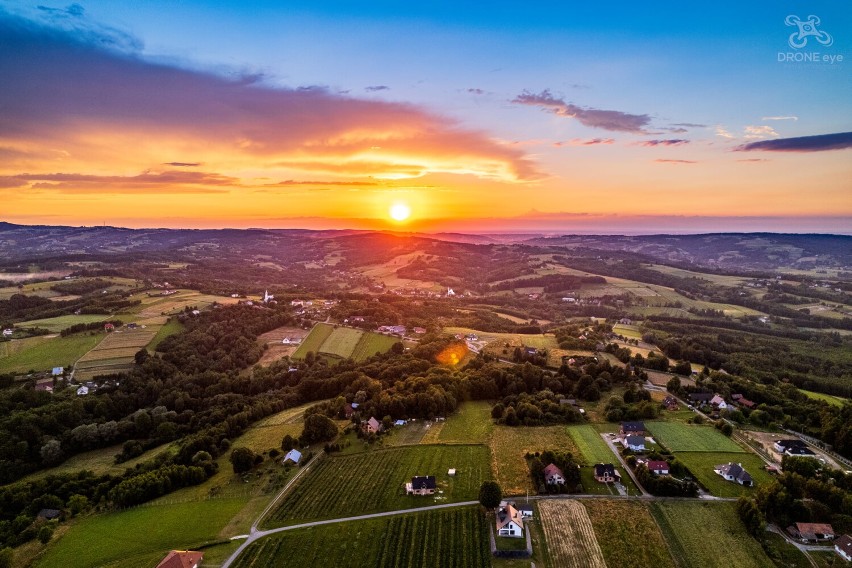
{"x": 806, "y": 29}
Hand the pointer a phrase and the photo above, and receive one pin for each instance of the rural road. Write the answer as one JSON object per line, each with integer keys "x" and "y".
{"x": 624, "y": 465}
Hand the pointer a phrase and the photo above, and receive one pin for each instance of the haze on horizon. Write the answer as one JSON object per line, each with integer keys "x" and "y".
{"x": 619, "y": 119}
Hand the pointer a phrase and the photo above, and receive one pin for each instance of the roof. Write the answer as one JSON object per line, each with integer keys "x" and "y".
{"x": 423, "y": 482}
{"x": 844, "y": 543}
{"x": 790, "y": 443}
{"x": 735, "y": 470}
{"x": 293, "y": 455}
{"x": 58, "y": 370}
{"x": 48, "y": 513}
{"x": 633, "y": 426}
{"x": 717, "y": 399}
{"x": 552, "y": 469}
{"x": 657, "y": 465}
{"x": 509, "y": 514}
{"x": 181, "y": 559}
{"x": 799, "y": 451}
{"x": 635, "y": 441}
{"x": 701, "y": 396}
{"x": 814, "y": 528}
{"x": 602, "y": 469}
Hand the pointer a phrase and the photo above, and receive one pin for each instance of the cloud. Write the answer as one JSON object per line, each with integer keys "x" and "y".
{"x": 754, "y": 160}
{"x": 753, "y": 132}
{"x": 667, "y": 161}
{"x": 817, "y": 143}
{"x": 677, "y": 130}
{"x": 476, "y": 91}
{"x": 182, "y": 164}
{"x": 672, "y": 142}
{"x": 689, "y": 125}
{"x": 292, "y": 182}
{"x": 613, "y": 120}
{"x": 81, "y": 94}
{"x": 585, "y": 142}
{"x": 780, "y": 118}
{"x": 723, "y": 132}
{"x": 374, "y": 88}
{"x": 171, "y": 181}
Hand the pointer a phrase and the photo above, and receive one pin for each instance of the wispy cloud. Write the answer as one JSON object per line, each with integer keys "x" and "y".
{"x": 723, "y": 132}
{"x": 754, "y": 132}
{"x": 671, "y": 142}
{"x": 585, "y": 142}
{"x": 172, "y": 181}
{"x": 817, "y": 143}
{"x": 374, "y": 88}
{"x": 473, "y": 91}
{"x": 780, "y": 118}
{"x": 182, "y": 164}
{"x": 689, "y": 125}
{"x": 293, "y": 182}
{"x": 668, "y": 161}
{"x": 613, "y": 120}
{"x": 754, "y": 160}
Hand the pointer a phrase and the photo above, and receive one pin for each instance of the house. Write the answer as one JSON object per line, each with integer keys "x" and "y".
{"x": 671, "y": 403}
{"x": 348, "y": 410}
{"x": 742, "y": 401}
{"x": 734, "y": 472}
{"x": 699, "y": 398}
{"x": 781, "y": 446}
{"x": 399, "y": 423}
{"x": 525, "y": 509}
{"x": 181, "y": 559}
{"x": 421, "y": 485}
{"x": 8, "y": 332}
{"x": 606, "y": 473}
{"x": 83, "y": 391}
{"x": 800, "y": 452}
{"x": 132, "y": 326}
{"x": 632, "y": 428}
{"x": 658, "y": 467}
{"x": 530, "y": 351}
{"x": 57, "y": 371}
{"x": 843, "y": 547}
{"x": 109, "y": 327}
{"x": 510, "y": 522}
{"x": 372, "y": 426}
{"x": 45, "y": 385}
{"x": 553, "y": 475}
{"x": 719, "y": 402}
{"x": 812, "y": 532}
{"x": 451, "y": 472}
{"x": 568, "y": 401}
{"x": 419, "y": 330}
{"x": 49, "y": 514}
{"x": 635, "y": 443}
{"x": 294, "y": 456}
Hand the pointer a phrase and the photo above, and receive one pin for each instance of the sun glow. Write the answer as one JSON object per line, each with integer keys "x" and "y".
{"x": 400, "y": 211}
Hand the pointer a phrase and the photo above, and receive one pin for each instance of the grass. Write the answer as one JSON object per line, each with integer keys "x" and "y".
{"x": 539, "y": 341}
{"x": 509, "y": 446}
{"x": 312, "y": 343}
{"x": 832, "y": 400}
{"x": 171, "y": 327}
{"x": 784, "y": 553}
{"x": 58, "y": 323}
{"x": 707, "y": 535}
{"x": 701, "y": 465}
{"x": 438, "y": 539}
{"x": 571, "y": 540}
{"x": 115, "y": 539}
{"x": 628, "y": 331}
{"x": 57, "y": 352}
{"x": 679, "y": 437}
{"x": 470, "y": 424}
{"x": 592, "y": 447}
{"x": 358, "y": 484}
{"x": 372, "y": 343}
{"x": 628, "y": 535}
{"x": 341, "y": 342}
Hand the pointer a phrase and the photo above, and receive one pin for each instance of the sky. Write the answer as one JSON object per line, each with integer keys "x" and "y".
{"x": 555, "y": 117}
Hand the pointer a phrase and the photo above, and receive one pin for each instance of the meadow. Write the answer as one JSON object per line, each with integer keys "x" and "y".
{"x": 571, "y": 540}
{"x": 628, "y": 535}
{"x": 680, "y": 437}
{"x": 54, "y": 352}
{"x": 343, "y": 343}
{"x": 509, "y": 446}
{"x": 591, "y": 446}
{"x": 372, "y": 343}
{"x": 357, "y": 484}
{"x": 628, "y": 331}
{"x": 832, "y": 400}
{"x": 114, "y": 354}
{"x": 314, "y": 340}
{"x": 171, "y": 327}
{"x": 701, "y": 465}
{"x": 471, "y": 423}
{"x": 455, "y": 538}
{"x": 58, "y": 323}
{"x": 707, "y": 535}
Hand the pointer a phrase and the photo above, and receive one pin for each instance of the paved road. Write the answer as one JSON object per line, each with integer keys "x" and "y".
{"x": 624, "y": 465}
{"x": 281, "y": 493}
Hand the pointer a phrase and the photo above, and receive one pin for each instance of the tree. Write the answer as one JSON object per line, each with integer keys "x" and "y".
{"x": 78, "y": 503}
{"x": 673, "y": 385}
{"x": 242, "y": 459}
{"x": 490, "y": 494}
{"x": 51, "y": 452}
{"x": 141, "y": 356}
{"x": 288, "y": 443}
{"x": 6, "y": 558}
{"x": 45, "y": 533}
{"x": 318, "y": 428}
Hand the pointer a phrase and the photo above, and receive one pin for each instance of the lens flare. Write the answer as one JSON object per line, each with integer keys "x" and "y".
{"x": 400, "y": 212}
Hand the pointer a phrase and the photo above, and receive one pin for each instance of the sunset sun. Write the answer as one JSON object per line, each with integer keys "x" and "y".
{"x": 400, "y": 212}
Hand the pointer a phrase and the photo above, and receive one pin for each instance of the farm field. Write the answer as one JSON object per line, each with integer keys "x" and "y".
{"x": 372, "y": 343}
{"x": 833, "y": 400}
{"x": 58, "y": 323}
{"x": 267, "y": 433}
{"x": 470, "y": 424}
{"x": 701, "y": 465}
{"x": 628, "y": 331}
{"x": 314, "y": 340}
{"x": 374, "y": 481}
{"x": 628, "y": 535}
{"x": 509, "y": 445}
{"x": 55, "y": 352}
{"x": 112, "y": 539}
{"x": 343, "y": 342}
{"x": 114, "y": 354}
{"x": 454, "y": 538}
{"x": 174, "y": 303}
{"x": 9, "y": 348}
{"x": 571, "y": 540}
{"x": 707, "y": 535}
{"x": 592, "y": 447}
{"x": 679, "y": 437}
{"x": 171, "y": 327}
{"x": 499, "y": 340}
{"x": 275, "y": 349}
{"x": 411, "y": 433}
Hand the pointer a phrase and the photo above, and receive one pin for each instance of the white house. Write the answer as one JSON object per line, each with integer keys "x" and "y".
{"x": 843, "y": 547}
{"x": 553, "y": 475}
{"x": 719, "y": 402}
{"x": 734, "y": 472}
{"x": 57, "y": 371}
{"x": 510, "y": 522}
{"x": 294, "y": 456}
{"x": 83, "y": 391}
{"x": 635, "y": 443}
{"x": 8, "y": 332}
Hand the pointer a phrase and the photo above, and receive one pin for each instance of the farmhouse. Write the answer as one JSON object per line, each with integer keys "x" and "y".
{"x": 181, "y": 559}
{"x": 701, "y": 397}
{"x": 57, "y": 371}
{"x": 781, "y": 446}
{"x": 606, "y": 473}
{"x": 632, "y": 428}
{"x": 510, "y": 522}
{"x": 8, "y": 332}
{"x": 658, "y": 467}
{"x": 83, "y": 391}
{"x": 800, "y": 452}
{"x": 348, "y": 410}
{"x": 719, "y": 402}
{"x": 421, "y": 485}
{"x": 530, "y": 351}
{"x": 671, "y": 403}
{"x": 294, "y": 456}
{"x": 734, "y": 472}
{"x": 553, "y": 475}
{"x": 635, "y": 443}
{"x": 44, "y": 385}
{"x": 843, "y": 547}
{"x": 812, "y": 532}
{"x": 742, "y": 401}
{"x": 371, "y": 426}
{"x": 49, "y": 514}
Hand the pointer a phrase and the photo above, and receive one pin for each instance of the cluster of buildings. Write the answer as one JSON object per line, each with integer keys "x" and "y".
{"x": 718, "y": 402}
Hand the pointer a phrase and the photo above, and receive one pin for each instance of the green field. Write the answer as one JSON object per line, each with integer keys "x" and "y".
{"x": 455, "y": 538}
{"x": 114, "y": 539}
{"x": 680, "y": 437}
{"x": 342, "y": 486}
{"x": 372, "y": 343}
{"x": 342, "y": 341}
{"x": 57, "y": 324}
{"x": 470, "y": 424}
{"x": 56, "y": 352}
{"x": 628, "y": 331}
{"x": 708, "y": 535}
{"x": 312, "y": 343}
{"x": 701, "y": 465}
{"x": 592, "y": 447}
{"x": 833, "y": 400}
{"x": 509, "y": 446}
{"x": 627, "y": 534}
{"x": 172, "y": 327}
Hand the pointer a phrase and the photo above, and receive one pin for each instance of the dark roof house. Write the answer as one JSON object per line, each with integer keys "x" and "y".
{"x": 632, "y": 427}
